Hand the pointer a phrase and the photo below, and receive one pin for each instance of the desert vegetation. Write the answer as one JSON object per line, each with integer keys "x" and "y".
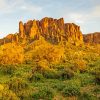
{"x": 42, "y": 71}
{"x": 48, "y": 60}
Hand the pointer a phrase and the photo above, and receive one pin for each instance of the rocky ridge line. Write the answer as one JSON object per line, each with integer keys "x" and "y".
{"x": 53, "y": 30}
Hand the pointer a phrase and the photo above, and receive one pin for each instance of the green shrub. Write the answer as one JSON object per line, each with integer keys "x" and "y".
{"x": 87, "y": 96}
{"x": 8, "y": 69}
{"x": 85, "y": 78}
{"x": 71, "y": 89}
{"x": 36, "y": 77}
{"x": 97, "y": 90}
{"x": 97, "y": 77}
{"x": 67, "y": 74}
{"x": 17, "y": 84}
{"x": 51, "y": 74}
{"x": 59, "y": 74}
{"x": 59, "y": 86}
{"x": 44, "y": 93}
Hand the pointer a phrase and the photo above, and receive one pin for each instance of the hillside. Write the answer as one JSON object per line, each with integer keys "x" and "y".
{"x": 50, "y": 60}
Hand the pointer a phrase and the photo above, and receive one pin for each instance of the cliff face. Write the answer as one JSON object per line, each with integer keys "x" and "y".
{"x": 92, "y": 38}
{"x": 21, "y": 30}
{"x": 10, "y": 38}
{"x": 53, "y": 30}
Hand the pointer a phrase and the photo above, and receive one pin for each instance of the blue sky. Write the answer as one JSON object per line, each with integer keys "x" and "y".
{"x": 85, "y": 13}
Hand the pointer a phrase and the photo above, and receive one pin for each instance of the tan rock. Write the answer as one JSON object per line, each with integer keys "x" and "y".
{"x": 53, "y": 30}
{"x": 34, "y": 31}
{"x": 21, "y": 30}
{"x": 92, "y": 38}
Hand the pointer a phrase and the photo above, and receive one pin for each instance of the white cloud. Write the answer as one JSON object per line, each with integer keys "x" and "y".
{"x": 76, "y": 17}
{"x": 10, "y": 6}
{"x": 83, "y": 17}
{"x": 96, "y": 11}
{"x": 31, "y": 8}
{"x": 2, "y": 3}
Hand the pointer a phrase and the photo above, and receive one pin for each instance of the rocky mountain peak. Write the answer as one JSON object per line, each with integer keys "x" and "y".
{"x": 52, "y": 30}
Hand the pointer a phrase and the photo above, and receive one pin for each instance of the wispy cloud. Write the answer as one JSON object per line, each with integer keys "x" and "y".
{"x": 12, "y": 6}
{"x": 84, "y": 14}
{"x": 96, "y": 11}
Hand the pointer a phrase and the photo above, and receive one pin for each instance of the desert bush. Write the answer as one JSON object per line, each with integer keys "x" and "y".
{"x": 97, "y": 77}
{"x": 23, "y": 71}
{"x": 96, "y": 90}
{"x": 6, "y": 94}
{"x": 45, "y": 93}
{"x": 96, "y": 73}
{"x": 67, "y": 73}
{"x": 28, "y": 61}
{"x": 51, "y": 74}
{"x": 85, "y": 79}
{"x": 41, "y": 50}
{"x": 17, "y": 84}
{"x": 94, "y": 67}
{"x": 59, "y": 86}
{"x": 72, "y": 89}
{"x": 80, "y": 65}
{"x": 1, "y": 87}
{"x": 87, "y": 96}
{"x": 36, "y": 77}
{"x": 59, "y": 74}
{"x": 9, "y": 95}
{"x": 11, "y": 53}
{"x": 8, "y": 69}
{"x": 41, "y": 67}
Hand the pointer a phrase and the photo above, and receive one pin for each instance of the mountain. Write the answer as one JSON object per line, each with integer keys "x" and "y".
{"x": 54, "y": 31}
{"x": 92, "y": 37}
{"x": 49, "y": 60}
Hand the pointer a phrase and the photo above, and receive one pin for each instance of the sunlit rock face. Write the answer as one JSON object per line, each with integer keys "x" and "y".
{"x": 53, "y": 30}
{"x": 21, "y": 30}
{"x": 10, "y": 38}
{"x": 92, "y": 38}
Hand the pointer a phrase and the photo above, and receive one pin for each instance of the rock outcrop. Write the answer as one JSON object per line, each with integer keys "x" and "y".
{"x": 53, "y": 30}
{"x": 10, "y": 38}
{"x": 21, "y": 30}
{"x": 93, "y": 38}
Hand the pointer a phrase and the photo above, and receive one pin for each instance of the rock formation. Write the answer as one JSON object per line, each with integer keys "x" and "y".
{"x": 10, "y": 38}
{"x": 92, "y": 38}
{"x": 21, "y": 30}
{"x": 53, "y": 30}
